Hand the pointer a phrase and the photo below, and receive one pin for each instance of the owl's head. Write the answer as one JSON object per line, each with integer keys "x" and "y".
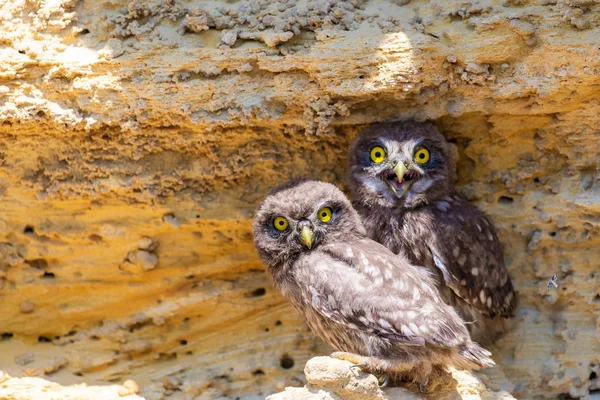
{"x": 299, "y": 217}
{"x": 399, "y": 164}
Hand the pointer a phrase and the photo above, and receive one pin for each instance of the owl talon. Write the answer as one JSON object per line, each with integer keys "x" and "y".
{"x": 386, "y": 381}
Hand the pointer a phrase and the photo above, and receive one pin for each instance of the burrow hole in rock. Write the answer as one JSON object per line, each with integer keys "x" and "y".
{"x": 505, "y": 200}
{"x": 5, "y": 336}
{"x": 183, "y": 342}
{"x": 286, "y": 361}
{"x": 48, "y": 275}
{"x": 29, "y": 230}
{"x": 593, "y": 376}
{"x": 258, "y": 372}
{"x": 44, "y": 339}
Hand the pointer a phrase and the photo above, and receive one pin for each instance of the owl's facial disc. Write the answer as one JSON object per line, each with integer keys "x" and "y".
{"x": 399, "y": 178}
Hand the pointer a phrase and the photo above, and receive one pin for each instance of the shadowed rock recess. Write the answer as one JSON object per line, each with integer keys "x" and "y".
{"x": 137, "y": 138}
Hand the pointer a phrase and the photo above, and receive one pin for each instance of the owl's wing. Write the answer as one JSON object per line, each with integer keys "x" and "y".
{"x": 465, "y": 248}
{"x": 363, "y": 286}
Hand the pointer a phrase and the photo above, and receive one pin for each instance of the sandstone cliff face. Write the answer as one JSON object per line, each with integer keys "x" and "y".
{"x": 138, "y": 137}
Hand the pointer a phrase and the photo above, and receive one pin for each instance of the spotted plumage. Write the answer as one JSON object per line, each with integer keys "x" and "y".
{"x": 365, "y": 301}
{"x": 407, "y": 202}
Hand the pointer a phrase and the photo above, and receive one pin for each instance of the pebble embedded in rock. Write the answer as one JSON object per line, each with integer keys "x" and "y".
{"x": 26, "y": 307}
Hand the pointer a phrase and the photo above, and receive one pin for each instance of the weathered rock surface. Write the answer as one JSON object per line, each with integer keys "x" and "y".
{"x": 37, "y": 388}
{"x": 330, "y": 379}
{"x": 138, "y": 137}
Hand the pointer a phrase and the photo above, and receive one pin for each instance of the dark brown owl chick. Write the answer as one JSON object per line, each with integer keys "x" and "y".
{"x": 371, "y": 305}
{"x": 400, "y": 175}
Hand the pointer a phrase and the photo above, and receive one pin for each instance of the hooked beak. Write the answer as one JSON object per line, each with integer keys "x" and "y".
{"x": 307, "y": 236}
{"x": 400, "y": 169}
{"x": 399, "y": 178}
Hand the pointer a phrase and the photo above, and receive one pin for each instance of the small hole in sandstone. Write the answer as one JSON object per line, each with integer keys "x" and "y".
{"x": 565, "y": 396}
{"x": 21, "y": 51}
{"x": 189, "y": 353}
{"x": 167, "y": 356}
{"x": 71, "y": 333}
{"x": 183, "y": 342}
{"x": 6, "y": 336}
{"x": 48, "y": 275}
{"x": 197, "y": 215}
{"x": 95, "y": 238}
{"x": 361, "y": 77}
{"x": 505, "y": 200}
{"x": 77, "y": 374}
{"x": 190, "y": 277}
{"x": 186, "y": 319}
{"x": 94, "y": 337}
{"x": 44, "y": 339}
{"x": 286, "y": 362}
{"x": 38, "y": 263}
{"x": 536, "y": 180}
{"x": 29, "y": 229}
{"x": 267, "y": 329}
{"x": 552, "y": 234}
{"x": 277, "y": 323}
{"x": 593, "y": 376}
{"x": 84, "y": 32}
{"x": 258, "y": 372}
{"x": 258, "y": 292}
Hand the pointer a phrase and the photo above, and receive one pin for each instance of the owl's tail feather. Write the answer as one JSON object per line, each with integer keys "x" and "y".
{"x": 475, "y": 357}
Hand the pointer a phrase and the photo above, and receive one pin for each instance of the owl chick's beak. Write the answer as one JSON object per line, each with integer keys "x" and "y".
{"x": 400, "y": 169}
{"x": 399, "y": 178}
{"x": 307, "y": 236}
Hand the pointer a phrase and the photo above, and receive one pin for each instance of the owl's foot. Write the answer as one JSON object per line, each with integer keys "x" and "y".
{"x": 356, "y": 359}
{"x": 366, "y": 364}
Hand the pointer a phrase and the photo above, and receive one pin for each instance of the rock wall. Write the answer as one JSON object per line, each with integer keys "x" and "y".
{"x": 137, "y": 138}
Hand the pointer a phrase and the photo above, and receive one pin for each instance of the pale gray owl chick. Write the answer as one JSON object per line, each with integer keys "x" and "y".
{"x": 371, "y": 305}
{"x": 400, "y": 175}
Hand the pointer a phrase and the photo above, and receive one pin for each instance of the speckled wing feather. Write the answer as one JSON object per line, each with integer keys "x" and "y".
{"x": 465, "y": 248}
{"x": 363, "y": 286}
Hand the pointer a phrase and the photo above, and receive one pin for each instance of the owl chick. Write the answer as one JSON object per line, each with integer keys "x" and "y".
{"x": 371, "y": 305}
{"x": 400, "y": 176}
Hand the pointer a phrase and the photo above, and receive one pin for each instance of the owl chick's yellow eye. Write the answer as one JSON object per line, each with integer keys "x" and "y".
{"x": 325, "y": 214}
{"x": 377, "y": 154}
{"x": 422, "y": 155}
{"x": 280, "y": 223}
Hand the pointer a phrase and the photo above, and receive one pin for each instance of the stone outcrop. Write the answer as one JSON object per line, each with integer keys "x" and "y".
{"x": 137, "y": 138}
{"x": 331, "y": 379}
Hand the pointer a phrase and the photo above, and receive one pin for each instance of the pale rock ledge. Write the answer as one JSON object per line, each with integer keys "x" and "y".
{"x": 332, "y": 379}
{"x": 29, "y": 388}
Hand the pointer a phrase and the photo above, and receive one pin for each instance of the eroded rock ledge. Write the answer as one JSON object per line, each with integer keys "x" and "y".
{"x": 331, "y": 379}
{"x": 37, "y": 388}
